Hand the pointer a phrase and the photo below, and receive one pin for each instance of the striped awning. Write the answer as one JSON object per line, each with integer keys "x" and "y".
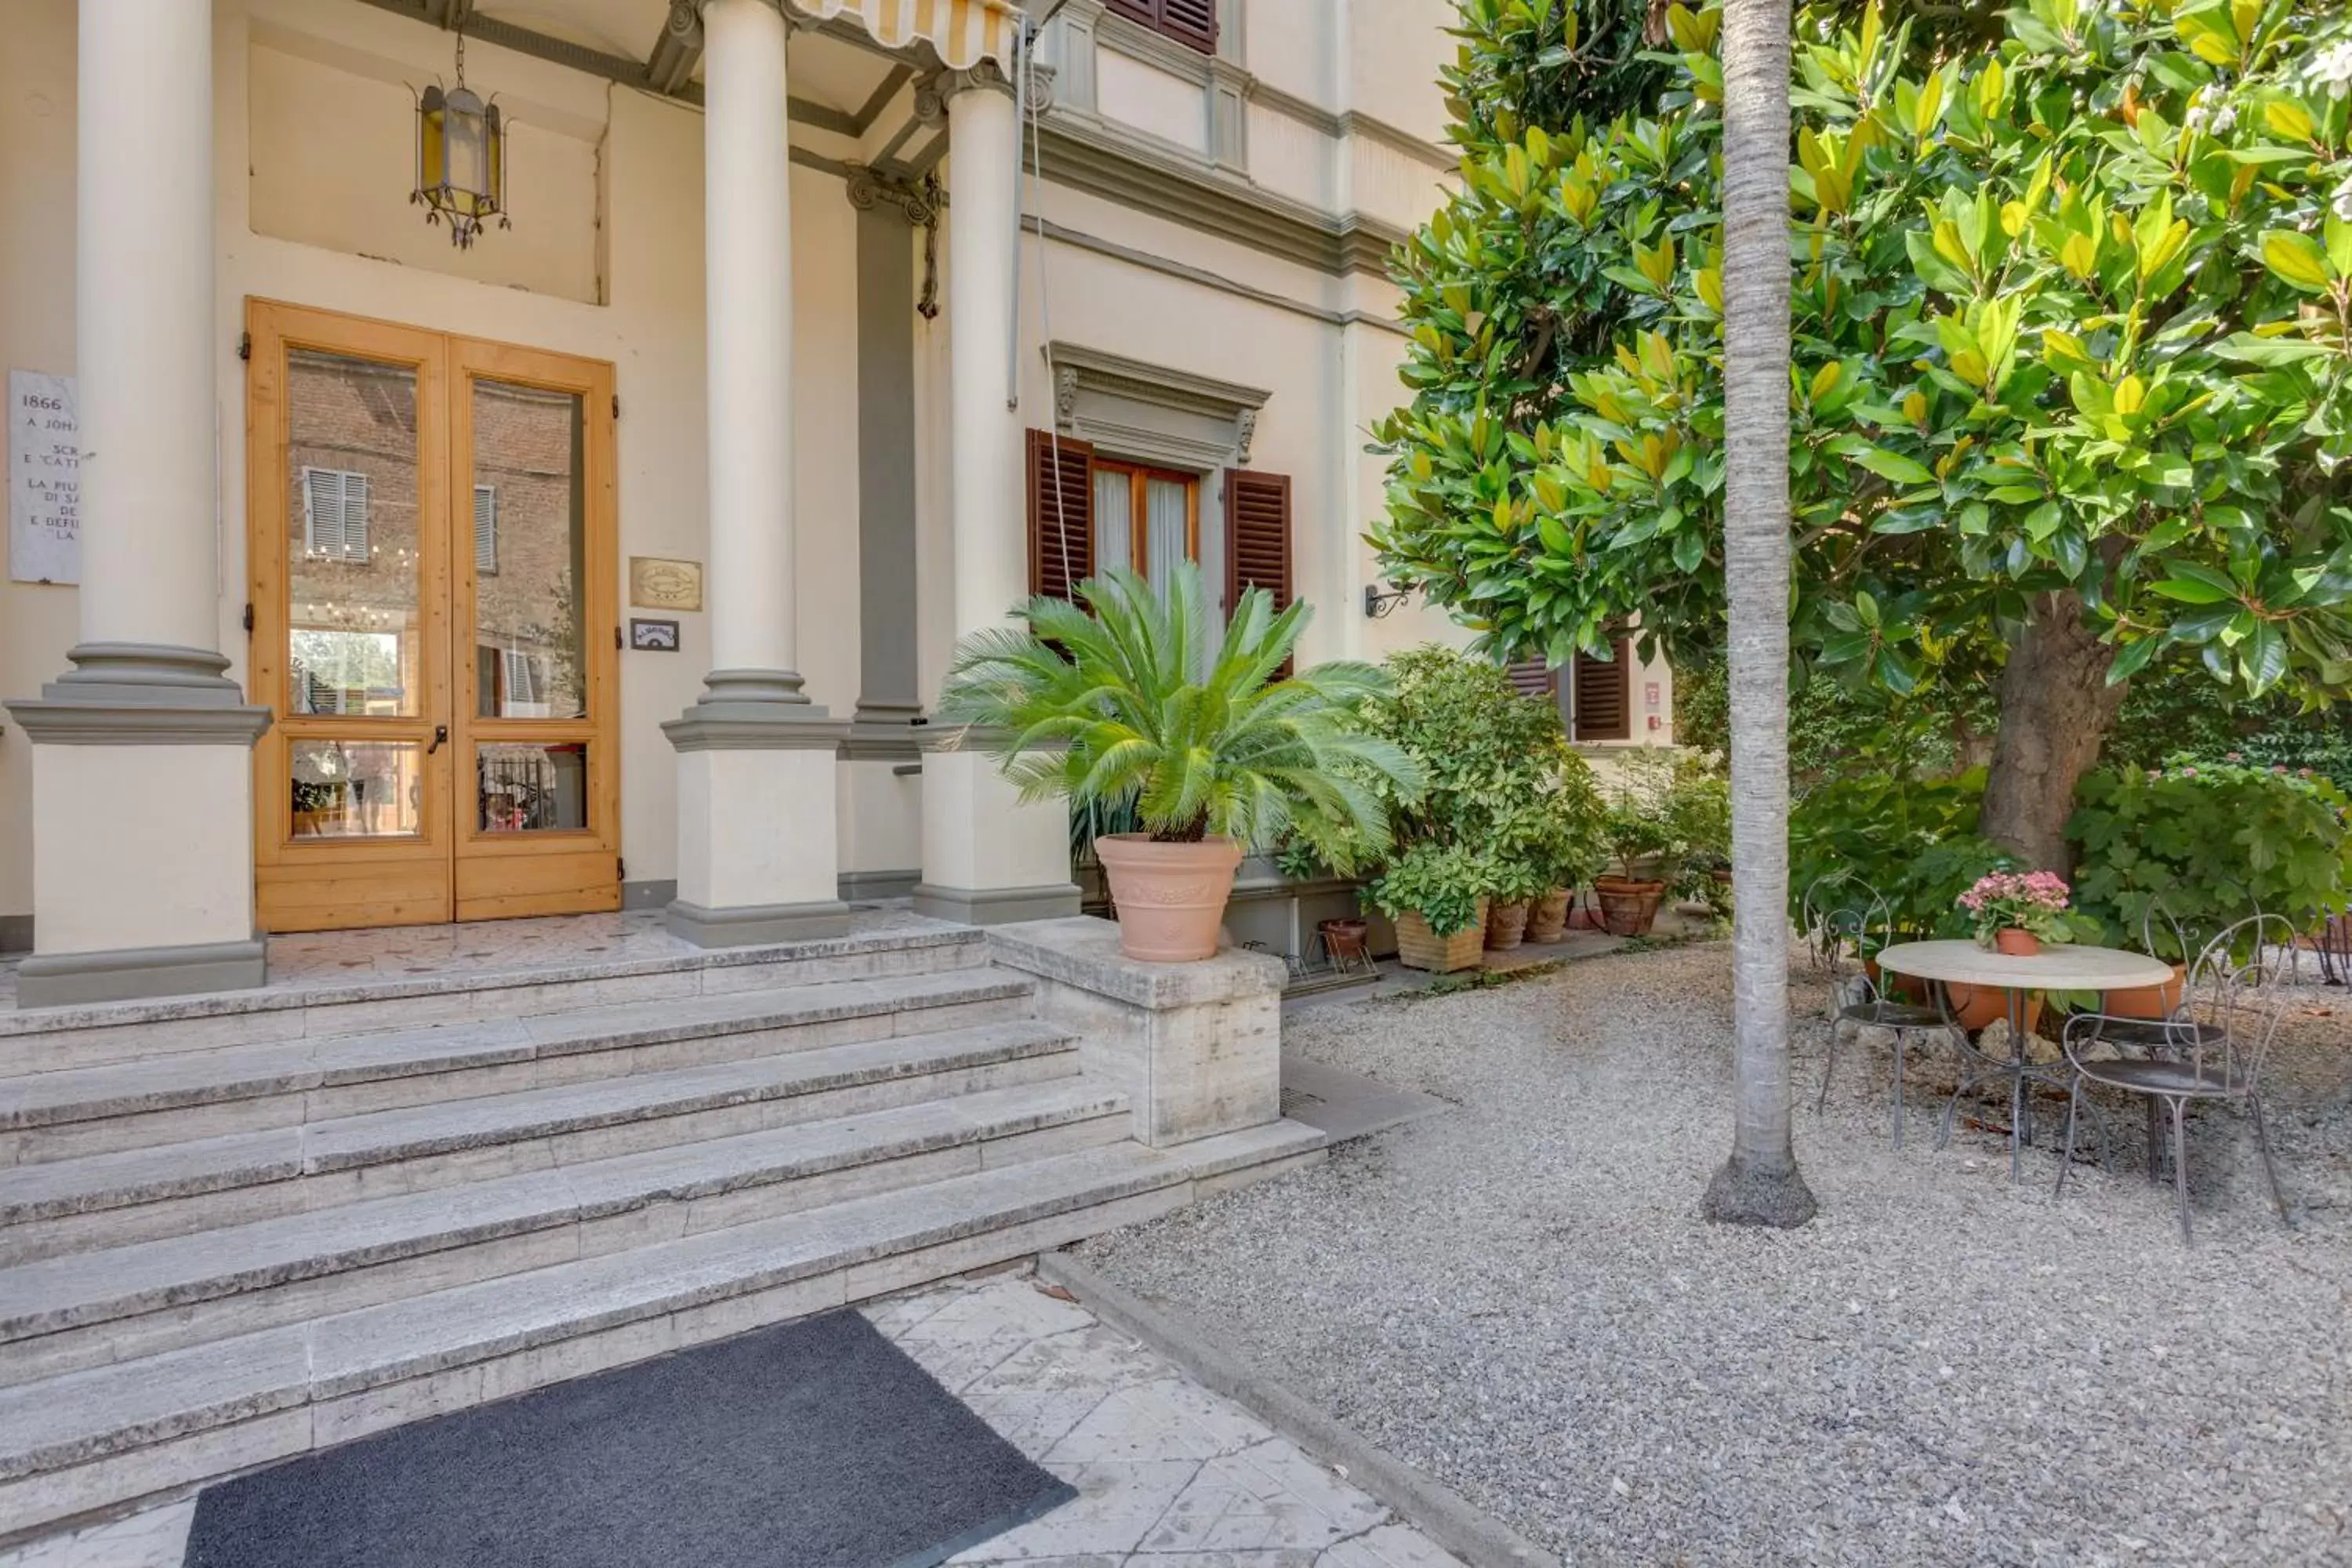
{"x": 964, "y": 32}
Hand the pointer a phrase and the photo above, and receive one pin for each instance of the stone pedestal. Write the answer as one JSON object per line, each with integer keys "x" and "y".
{"x": 988, "y": 858}
{"x": 756, "y": 806}
{"x": 1196, "y": 1048}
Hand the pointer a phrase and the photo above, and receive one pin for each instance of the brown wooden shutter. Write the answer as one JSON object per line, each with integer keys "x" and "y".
{"x": 1061, "y": 513}
{"x": 1193, "y": 22}
{"x": 1533, "y": 678}
{"x": 1257, "y": 539}
{"x": 1603, "y": 695}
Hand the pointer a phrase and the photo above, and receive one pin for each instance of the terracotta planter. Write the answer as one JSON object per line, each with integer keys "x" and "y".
{"x": 1976, "y": 1007}
{"x": 1548, "y": 917}
{"x": 1345, "y": 941}
{"x": 1506, "y": 924}
{"x": 1170, "y": 897}
{"x": 2015, "y": 942}
{"x": 1418, "y": 947}
{"x": 2147, "y": 1001}
{"x": 1627, "y": 907}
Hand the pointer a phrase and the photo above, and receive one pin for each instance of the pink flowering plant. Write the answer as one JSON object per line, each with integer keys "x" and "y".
{"x": 2020, "y": 900}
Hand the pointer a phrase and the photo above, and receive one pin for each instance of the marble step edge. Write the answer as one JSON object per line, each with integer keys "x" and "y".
{"x": 90, "y": 1183}
{"x": 84, "y": 1441}
{"x": 911, "y": 931}
{"x": 221, "y": 1074}
{"x": 85, "y": 1289}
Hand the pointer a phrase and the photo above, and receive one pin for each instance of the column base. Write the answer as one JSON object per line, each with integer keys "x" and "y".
{"x": 133, "y": 974}
{"x": 989, "y": 856}
{"x": 872, "y": 887}
{"x": 996, "y": 905}
{"x": 142, "y": 828}
{"x": 752, "y": 925}
{"x": 758, "y": 804}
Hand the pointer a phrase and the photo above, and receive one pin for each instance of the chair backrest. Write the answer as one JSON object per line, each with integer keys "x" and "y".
{"x": 2160, "y": 936}
{"x": 2241, "y": 987}
{"x": 1847, "y": 922}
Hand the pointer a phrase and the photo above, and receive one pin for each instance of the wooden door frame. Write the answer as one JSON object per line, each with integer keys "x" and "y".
{"x": 449, "y": 869}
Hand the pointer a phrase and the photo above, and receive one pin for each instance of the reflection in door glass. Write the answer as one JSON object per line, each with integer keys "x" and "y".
{"x": 533, "y": 789}
{"x": 357, "y": 789}
{"x": 351, "y": 546}
{"x": 529, "y": 530}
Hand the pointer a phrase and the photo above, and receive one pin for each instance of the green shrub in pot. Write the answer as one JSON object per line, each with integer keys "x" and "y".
{"x": 1444, "y": 884}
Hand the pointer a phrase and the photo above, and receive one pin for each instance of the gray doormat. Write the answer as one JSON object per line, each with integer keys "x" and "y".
{"x": 811, "y": 1444}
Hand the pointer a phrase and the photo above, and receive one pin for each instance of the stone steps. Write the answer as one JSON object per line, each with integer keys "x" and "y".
{"x": 212, "y": 1092}
{"x": 139, "y": 1194}
{"x": 59, "y": 1038}
{"x": 85, "y": 1308}
{"x": 75, "y": 1444}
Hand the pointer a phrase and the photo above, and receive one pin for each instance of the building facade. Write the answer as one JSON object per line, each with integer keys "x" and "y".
{"x": 611, "y": 560}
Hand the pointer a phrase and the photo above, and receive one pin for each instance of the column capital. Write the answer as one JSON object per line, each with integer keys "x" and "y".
{"x": 870, "y": 188}
{"x": 983, "y": 75}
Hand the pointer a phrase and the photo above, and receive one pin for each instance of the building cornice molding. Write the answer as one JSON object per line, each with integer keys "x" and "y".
{"x": 1353, "y": 123}
{"x": 1202, "y": 276}
{"x": 1123, "y": 35}
{"x": 1086, "y": 154}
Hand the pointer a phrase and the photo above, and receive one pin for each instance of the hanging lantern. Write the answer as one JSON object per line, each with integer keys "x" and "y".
{"x": 461, "y": 158}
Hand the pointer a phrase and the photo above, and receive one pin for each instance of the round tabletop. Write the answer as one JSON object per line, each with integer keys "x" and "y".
{"x": 2064, "y": 966}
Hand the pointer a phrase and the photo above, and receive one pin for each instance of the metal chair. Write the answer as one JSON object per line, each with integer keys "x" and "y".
{"x": 2157, "y": 932}
{"x": 2212, "y": 1050}
{"x": 1847, "y": 923}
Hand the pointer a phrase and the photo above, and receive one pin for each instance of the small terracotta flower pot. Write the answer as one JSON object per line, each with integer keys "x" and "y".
{"x": 1170, "y": 897}
{"x": 1976, "y": 1007}
{"x": 1628, "y": 908}
{"x": 2016, "y": 944}
{"x": 2147, "y": 1001}
{"x": 1506, "y": 924}
{"x": 1548, "y": 917}
{"x": 1345, "y": 940}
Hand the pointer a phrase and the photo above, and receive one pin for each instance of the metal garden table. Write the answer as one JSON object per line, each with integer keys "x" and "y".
{"x": 2066, "y": 967}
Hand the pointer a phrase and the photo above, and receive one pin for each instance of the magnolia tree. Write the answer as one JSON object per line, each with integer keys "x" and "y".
{"x": 2073, "y": 327}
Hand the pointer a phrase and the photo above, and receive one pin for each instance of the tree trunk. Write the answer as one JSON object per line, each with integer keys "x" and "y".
{"x": 2056, "y": 707}
{"x": 1760, "y": 1183}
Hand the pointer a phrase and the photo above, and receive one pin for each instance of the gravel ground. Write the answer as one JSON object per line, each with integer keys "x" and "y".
{"x": 1521, "y": 1298}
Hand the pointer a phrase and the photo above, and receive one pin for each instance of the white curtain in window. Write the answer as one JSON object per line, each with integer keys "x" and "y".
{"x": 1114, "y": 520}
{"x": 1166, "y": 515}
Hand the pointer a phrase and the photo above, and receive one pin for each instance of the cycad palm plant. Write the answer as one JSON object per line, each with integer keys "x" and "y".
{"x": 1124, "y": 697}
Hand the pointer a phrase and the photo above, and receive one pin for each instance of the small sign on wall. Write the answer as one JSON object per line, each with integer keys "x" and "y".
{"x": 658, "y": 584}
{"x": 44, "y": 480}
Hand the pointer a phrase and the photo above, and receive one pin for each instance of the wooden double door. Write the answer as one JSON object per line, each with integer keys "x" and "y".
{"x": 432, "y": 540}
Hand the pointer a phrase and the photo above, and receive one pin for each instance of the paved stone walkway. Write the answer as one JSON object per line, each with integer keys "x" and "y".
{"x": 1169, "y": 1474}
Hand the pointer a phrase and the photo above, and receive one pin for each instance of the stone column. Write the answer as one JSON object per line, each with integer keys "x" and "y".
{"x": 142, "y": 767}
{"x": 756, "y": 793}
{"x": 986, "y": 856}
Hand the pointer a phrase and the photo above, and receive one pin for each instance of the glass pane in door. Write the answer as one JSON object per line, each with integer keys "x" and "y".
{"x": 357, "y": 789}
{"x": 528, "y": 538}
{"x": 352, "y": 563}
{"x": 532, "y": 788}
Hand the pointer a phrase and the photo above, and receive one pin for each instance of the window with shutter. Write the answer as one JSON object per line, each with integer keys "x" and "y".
{"x": 486, "y": 530}
{"x": 1257, "y": 538}
{"x": 335, "y": 514}
{"x": 1190, "y": 22}
{"x": 1533, "y": 678}
{"x": 1603, "y": 695}
{"x": 1061, "y": 513}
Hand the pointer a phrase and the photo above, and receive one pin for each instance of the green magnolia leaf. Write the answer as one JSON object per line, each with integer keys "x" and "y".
{"x": 1894, "y": 466}
{"x": 2297, "y": 257}
{"x": 2247, "y": 348}
{"x": 2188, "y": 591}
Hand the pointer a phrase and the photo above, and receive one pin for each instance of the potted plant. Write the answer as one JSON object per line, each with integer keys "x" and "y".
{"x": 1437, "y": 895}
{"x": 1122, "y": 697}
{"x": 2017, "y": 912}
{"x": 1517, "y": 883}
{"x": 1638, "y": 840}
{"x": 1557, "y": 841}
{"x": 1491, "y": 762}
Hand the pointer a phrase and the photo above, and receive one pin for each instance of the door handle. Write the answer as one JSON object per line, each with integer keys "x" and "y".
{"x": 440, "y": 734}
